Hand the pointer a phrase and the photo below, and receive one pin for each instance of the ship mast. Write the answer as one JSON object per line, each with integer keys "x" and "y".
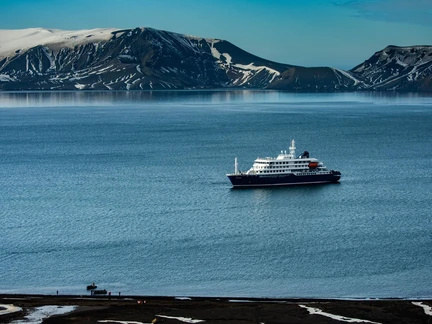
{"x": 235, "y": 166}
{"x": 292, "y": 149}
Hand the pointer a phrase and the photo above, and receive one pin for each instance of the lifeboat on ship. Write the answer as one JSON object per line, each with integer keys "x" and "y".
{"x": 313, "y": 165}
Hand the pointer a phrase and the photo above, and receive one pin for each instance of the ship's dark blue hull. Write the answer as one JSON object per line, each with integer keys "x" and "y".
{"x": 249, "y": 180}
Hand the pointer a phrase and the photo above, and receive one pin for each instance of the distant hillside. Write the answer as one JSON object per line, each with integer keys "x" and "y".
{"x": 146, "y": 58}
{"x": 397, "y": 68}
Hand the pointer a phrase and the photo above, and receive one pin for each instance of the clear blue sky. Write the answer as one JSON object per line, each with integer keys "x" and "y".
{"x": 337, "y": 33}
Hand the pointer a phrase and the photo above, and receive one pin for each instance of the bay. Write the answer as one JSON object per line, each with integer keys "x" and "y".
{"x": 128, "y": 190}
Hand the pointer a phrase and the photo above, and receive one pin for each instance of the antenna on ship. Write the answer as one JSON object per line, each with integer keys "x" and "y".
{"x": 292, "y": 149}
{"x": 235, "y": 166}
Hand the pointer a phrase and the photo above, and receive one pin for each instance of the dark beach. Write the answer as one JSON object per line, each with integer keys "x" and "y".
{"x": 148, "y": 309}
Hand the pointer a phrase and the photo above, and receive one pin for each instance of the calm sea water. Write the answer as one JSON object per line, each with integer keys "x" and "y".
{"x": 128, "y": 190}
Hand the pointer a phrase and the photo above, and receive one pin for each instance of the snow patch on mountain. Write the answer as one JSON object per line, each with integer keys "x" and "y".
{"x": 214, "y": 51}
{"x": 50, "y": 58}
{"x": 228, "y": 58}
{"x": 6, "y": 78}
{"x": 248, "y": 71}
{"x": 346, "y": 74}
{"x": 250, "y": 68}
{"x": 217, "y": 55}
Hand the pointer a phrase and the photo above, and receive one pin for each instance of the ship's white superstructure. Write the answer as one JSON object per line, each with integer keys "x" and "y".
{"x": 287, "y": 163}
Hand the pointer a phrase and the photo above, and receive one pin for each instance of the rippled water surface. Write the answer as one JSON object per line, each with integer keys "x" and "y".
{"x": 128, "y": 189}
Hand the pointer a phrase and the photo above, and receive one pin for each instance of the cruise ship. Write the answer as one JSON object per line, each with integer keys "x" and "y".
{"x": 283, "y": 170}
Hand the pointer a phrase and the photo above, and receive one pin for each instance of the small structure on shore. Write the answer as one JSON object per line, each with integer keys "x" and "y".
{"x": 92, "y": 286}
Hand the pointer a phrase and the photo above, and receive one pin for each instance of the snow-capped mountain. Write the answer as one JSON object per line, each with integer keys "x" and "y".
{"x": 397, "y": 68}
{"x": 146, "y": 58}
{"x": 142, "y": 58}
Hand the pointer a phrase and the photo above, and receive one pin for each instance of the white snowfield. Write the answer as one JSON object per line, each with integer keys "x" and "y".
{"x": 13, "y": 40}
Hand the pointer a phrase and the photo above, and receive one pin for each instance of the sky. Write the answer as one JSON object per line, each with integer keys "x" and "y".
{"x": 335, "y": 33}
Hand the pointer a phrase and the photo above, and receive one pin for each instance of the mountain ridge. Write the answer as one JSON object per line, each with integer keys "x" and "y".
{"x": 145, "y": 58}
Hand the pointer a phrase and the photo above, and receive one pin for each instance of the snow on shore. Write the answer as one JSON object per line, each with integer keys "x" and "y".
{"x": 317, "y": 311}
{"x": 9, "y": 309}
{"x": 38, "y": 314}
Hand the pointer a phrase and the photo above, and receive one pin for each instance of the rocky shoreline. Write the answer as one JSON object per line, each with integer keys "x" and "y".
{"x": 153, "y": 309}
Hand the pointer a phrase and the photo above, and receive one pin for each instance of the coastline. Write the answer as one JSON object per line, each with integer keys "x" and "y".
{"x": 148, "y": 309}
